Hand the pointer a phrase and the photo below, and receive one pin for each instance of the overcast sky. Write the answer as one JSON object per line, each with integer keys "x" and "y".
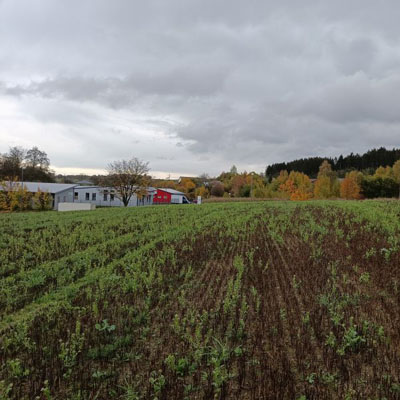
{"x": 196, "y": 86}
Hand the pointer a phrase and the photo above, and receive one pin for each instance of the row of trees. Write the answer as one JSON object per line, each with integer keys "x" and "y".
{"x": 26, "y": 165}
{"x": 20, "y": 164}
{"x": 15, "y": 197}
{"x": 367, "y": 162}
{"x": 227, "y": 184}
{"x": 295, "y": 185}
{"x": 131, "y": 177}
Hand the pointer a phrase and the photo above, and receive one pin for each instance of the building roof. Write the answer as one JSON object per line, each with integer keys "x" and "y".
{"x": 89, "y": 187}
{"x": 100, "y": 188}
{"x": 172, "y": 191}
{"x": 34, "y": 187}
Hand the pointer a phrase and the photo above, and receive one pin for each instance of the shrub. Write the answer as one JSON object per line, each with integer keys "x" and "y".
{"x": 379, "y": 187}
{"x": 217, "y": 189}
{"x": 42, "y": 201}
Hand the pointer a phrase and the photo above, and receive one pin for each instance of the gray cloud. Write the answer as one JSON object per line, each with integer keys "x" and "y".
{"x": 199, "y": 85}
{"x": 357, "y": 99}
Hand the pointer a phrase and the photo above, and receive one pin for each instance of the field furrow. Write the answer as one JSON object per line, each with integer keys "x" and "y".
{"x": 261, "y": 300}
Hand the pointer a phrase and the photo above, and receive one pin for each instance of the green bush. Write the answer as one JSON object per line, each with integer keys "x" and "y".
{"x": 373, "y": 187}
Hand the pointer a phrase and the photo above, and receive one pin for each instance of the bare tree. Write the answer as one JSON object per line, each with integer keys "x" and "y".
{"x": 128, "y": 177}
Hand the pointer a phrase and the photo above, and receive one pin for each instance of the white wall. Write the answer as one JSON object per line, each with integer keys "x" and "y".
{"x": 67, "y": 196}
{"x": 176, "y": 199}
{"x": 76, "y": 207}
{"x": 99, "y": 197}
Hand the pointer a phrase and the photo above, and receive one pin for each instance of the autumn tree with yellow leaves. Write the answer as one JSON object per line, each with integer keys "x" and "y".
{"x": 384, "y": 172}
{"x": 396, "y": 173}
{"x": 327, "y": 184}
{"x": 14, "y": 197}
{"x": 42, "y": 201}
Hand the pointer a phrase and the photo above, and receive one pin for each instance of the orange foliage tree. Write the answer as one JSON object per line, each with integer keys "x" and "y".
{"x": 350, "y": 187}
{"x": 238, "y": 181}
{"x": 297, "y": 186}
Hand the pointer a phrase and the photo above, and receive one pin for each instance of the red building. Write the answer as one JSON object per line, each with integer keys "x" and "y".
{"x": 169, "y": 196}
{"x": 162, "y": 197}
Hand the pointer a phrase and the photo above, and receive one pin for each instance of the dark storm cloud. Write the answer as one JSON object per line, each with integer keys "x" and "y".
{"x": 211, "y": 83}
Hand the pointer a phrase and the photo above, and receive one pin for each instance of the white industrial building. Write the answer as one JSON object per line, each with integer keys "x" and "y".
{"x": 97, "y": 195}
{"x": 106, "y": 197}
{"x": 60, "y": 192}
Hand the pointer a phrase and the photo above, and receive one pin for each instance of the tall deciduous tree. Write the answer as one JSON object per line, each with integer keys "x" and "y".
{"x": 396, "y": 173}
{"x": 384, "y": 172}
{"x": 297, "y": 187}
{"x": 188, "y": 187}
{"x": 36, "y": 158}
{"x": 350, "y": 186}
{"x": 14, "y": 196}
{"x": 25, "y": 165}
{"x": 327, "y": 184}
{"x": 128, "y": 178}
{"x": 11, "y": 163}
{"x": 42, "y": 200}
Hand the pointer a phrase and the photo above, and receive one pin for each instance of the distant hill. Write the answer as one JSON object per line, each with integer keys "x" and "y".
{"x": 93, "y": 179}
{"x": 368, "y": 161}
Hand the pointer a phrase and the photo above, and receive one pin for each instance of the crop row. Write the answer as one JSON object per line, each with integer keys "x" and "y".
{"x": 245, "y": 301}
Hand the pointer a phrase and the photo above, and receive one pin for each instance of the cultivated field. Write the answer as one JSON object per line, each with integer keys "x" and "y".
{"x": 268, "y": 300}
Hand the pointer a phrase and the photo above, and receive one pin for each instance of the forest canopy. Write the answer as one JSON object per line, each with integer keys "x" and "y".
{"x": 367, "y": 162}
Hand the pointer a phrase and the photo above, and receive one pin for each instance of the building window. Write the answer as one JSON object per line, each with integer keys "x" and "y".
{"x": 105, "y": 196}
{"x": 87, "y": 196}
{"x": 76, "y": 195}
{"x": 165, "y": 197}
{"x": 93, "y": 196}
{"x": 112, "y": 197}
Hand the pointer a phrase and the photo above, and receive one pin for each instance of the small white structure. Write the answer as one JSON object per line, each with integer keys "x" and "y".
{"x": 177, "y": 197}
{"x": 106, "y": 197}
{"x": 76, "y": 207}
{"x": 198, "y": 199}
